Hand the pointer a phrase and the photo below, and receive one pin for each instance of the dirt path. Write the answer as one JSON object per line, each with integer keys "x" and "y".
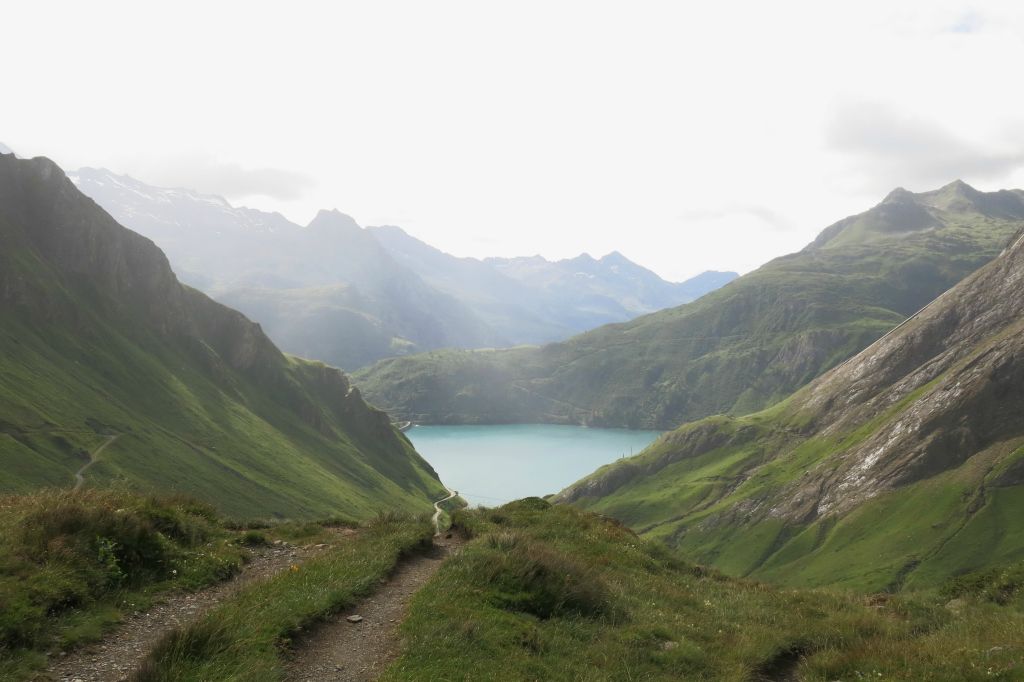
{"x": 93, "y": 456}
{"x": 120, "y": 653}
{"x": 343, "y": 651}
{"x": 436, "y": 518}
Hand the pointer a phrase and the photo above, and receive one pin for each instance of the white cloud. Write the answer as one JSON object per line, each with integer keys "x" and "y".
{"x": 887, "y": 148}
{"x": 684, "y": 134}
{"x": 209, "y": 175}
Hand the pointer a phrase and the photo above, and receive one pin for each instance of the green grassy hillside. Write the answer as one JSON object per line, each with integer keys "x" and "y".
{"x": 737, "y": 349}
{"x": 550, "y": 593}
{"x": 899, "y": 469}
{"x": 98, "y": 339}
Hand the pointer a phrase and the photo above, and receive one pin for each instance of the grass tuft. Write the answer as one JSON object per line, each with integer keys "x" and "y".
{"x": 74, "y": 559}
{"x": 533, "y": 577}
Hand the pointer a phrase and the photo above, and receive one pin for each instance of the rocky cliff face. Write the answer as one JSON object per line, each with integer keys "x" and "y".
{"x": 964, "y": 355}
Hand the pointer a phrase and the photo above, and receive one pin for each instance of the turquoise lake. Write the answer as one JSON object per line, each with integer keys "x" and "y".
{"x": 491, "y": 465}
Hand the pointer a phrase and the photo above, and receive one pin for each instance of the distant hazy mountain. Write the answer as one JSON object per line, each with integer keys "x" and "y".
{"x": 327, "y": 291}
{"x": 534, "y": 300}
{"x": 4, "y": 149}
{"x": 349, "y": 296}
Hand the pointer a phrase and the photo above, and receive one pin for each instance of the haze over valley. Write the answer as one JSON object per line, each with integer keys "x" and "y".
{"x": 576, "y": 341}
{"x": 336, "y": 292}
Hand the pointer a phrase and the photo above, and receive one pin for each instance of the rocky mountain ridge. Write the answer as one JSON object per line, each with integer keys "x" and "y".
{"x": 736, "y": 350}
{"x": 531, "y": 300}
{"x": 349, "y": 296}
{"x": 913, "y": 448}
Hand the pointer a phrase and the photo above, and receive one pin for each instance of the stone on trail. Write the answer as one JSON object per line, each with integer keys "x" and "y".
{"x": 354, "y": 619}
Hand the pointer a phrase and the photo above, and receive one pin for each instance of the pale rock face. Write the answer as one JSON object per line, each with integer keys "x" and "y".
{"x": 943, "y": 387}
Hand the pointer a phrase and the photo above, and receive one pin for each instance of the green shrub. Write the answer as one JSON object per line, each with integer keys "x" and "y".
{"x": 998, "y": 585}
{"x": 70, "y": 555}
{"x": 21, "y": 621}
{"x": 532, "y": 577}
{"x": 527, "y": 504}
{"x": 187, "y": 646}
{"x": 338, "y": 522}
{"x": 253, "y": 538}
{"x": 247, "y": 524}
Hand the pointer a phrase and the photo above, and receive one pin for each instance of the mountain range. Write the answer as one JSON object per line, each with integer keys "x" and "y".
{"x": 534, "y": 300}
{"x": 868, "y": 438}
{"x": 736, "y": 350}
{"x": 349, "y": 296}
{"x": 900, "y": 468}
{"x": 115, "y": 371}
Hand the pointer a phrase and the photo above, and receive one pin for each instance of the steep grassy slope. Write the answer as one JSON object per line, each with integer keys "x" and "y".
{"x": 737, "y": 349}
{"x": 97, "y": 338}
{"x": 550, "y": 593}
{"x": 899, "y": 468}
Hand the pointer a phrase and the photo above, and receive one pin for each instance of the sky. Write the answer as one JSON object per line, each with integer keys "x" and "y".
{"x": 688, "y": 136}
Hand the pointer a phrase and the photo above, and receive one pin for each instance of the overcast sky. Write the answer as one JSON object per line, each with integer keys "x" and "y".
{"x": 689, "y": 136}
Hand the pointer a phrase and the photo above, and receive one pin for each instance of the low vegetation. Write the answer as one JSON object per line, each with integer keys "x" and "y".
{"x": 549, "y": 592}
{"x": 73, "y": 563}
{"x": 244, "y": 638}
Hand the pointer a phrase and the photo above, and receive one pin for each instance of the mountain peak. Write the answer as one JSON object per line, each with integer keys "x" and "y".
{"x": 903, "y": 212}
{"x": 959, "y": 197}
{"x": 4, "y": 149}
{"x": 958, "y": 185}
{"x": 333, "y": 219}
{"x": 898, "y": 195}
{"x": 957, "y": 189}
{"x": 615, "y": 257}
